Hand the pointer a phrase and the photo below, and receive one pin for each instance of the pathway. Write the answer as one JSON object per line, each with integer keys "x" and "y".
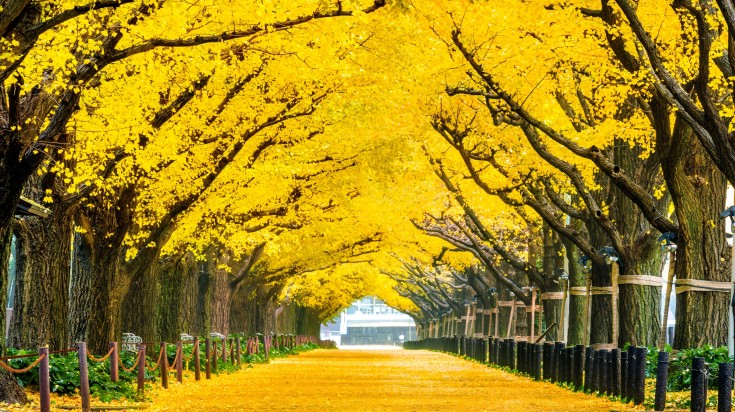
{"x": 368, "y": 380}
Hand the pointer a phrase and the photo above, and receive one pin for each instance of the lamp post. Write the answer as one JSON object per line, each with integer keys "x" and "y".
{"x": 586, "y": 264}
{"x": 491, "y": 294}
{"x": 730, "y": 212}
{"x": 563, "y": 280}
{"x": 611, "y": 258}
{"x": 668, "y": 240}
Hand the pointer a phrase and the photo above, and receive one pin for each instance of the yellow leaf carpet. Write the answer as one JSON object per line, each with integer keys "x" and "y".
{"x": 369, "y": 380}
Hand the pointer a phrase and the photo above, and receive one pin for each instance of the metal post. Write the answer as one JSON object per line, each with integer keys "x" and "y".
{"x": 114, "y": 359}
{"x": 44, "y": 381}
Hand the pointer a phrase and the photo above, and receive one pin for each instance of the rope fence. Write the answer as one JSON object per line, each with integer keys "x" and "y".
{"x": 134, "y": 345}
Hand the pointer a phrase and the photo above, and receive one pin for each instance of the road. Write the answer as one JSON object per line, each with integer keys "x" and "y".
{"x": 374, "y": 380}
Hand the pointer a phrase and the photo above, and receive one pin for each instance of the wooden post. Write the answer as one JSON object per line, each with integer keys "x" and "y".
{"x": 214, "y": 355}
{"x": 44, "y": 381}
{"x": 238, "y": 352}
{"x": 83, "y": 376}
{"x": 164, "y": 366}
{"x": 614, "y": 300}
{"x": 511, "y": 317}
{"x": 141, "y": 368}
{"x": 180, "y": 363}
{"x": 197, "y": 366}
{"x": 208, "y": 366}
{"x": 114, "y": 359}
{"x": 587, "y": 308}
{"x": 224, "y": 349}
{"x": 533, "y": 316}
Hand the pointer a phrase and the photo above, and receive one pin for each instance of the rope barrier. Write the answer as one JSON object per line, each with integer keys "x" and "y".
{"x": 137, "y": 360}
{"x": 158, "y": 362}
{"x": 102, "y": 359}
{"x": 24, "y": 370}
{"x": 176, "y": 359}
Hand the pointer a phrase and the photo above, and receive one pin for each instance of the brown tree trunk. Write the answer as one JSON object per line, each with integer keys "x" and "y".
{"x": 42, "y": 276}
{"x": 10, "y": 391}
{"x": 80, "y": 290}
{"x": 698, "y": 190}
{"x": 221, "y": 301}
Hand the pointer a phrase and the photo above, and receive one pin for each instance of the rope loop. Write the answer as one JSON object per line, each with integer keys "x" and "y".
{"x": 176, "y": 359}
{"x": 24, "y": 370}
{"x": 135, "y": 364}
{"x": 102, "y": 359}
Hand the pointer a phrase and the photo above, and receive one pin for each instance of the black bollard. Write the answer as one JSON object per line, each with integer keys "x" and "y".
{"x": 520, "y": 362}
{"x": 603, "y": 388}
{"x": 497, "y": 351}
{"x": 530, "y": 356}
{"x": 597, "y": 372}
{"x": 662, "y": 377}
{"x": 724, "y": 389}
{"x": 608, "y": 372}
{"x": 511, "y": 353}
{"x": 577, "y": 373}
{"x": 615, "y": 371}
{"x": 556, "y": 373}
{"x": 570, "y": 365}
{"x": 538, "y": 359}
{"x": 623, "y": 375}
{"x": 632, "y": 355}
{"x": 640, "y": 381}
{"x": 548, "y": 361}
{"x": 589, "y": 355}
{"x": 699, "y": 385}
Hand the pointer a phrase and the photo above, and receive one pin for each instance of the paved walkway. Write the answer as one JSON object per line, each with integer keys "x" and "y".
{"x": 368, "y": 380}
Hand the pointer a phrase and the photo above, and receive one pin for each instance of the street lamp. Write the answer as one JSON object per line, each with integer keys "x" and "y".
{"x": 668, "y": 245}
{"x": 563, "y": 280}
{"x": 586, "y": 263}
{"x": 730, "y": 212}
{"x": 611, "y": 258}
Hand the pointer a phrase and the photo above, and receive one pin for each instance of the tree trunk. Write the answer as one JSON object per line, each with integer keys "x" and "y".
{"x": 10, "y": 391}
{"x": 42, "y": 275}
{"x": 80, "y": 290}
{"x": 698, "y": 190}
{"x": 221, "y": 301}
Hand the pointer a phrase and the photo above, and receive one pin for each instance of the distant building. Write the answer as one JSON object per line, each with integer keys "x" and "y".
{"x": 369, "y": 321}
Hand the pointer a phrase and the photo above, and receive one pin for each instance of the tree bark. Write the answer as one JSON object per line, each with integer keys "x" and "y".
{"x": 698, "y": 191}
{"x": 10, "y": 391}
{"x": 42, "y": 276}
